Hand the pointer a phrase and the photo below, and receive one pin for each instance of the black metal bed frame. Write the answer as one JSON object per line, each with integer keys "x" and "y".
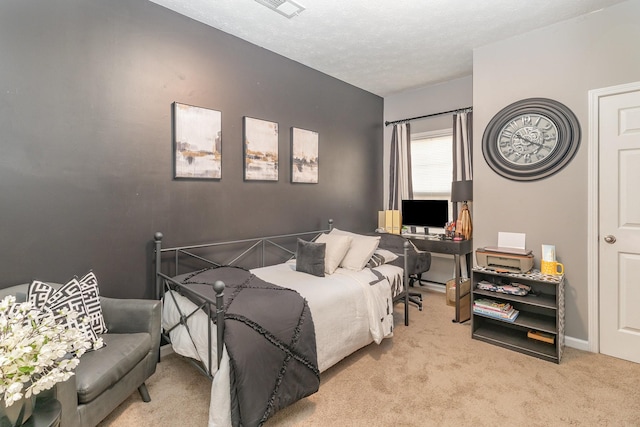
{"x": 164, "y": 282}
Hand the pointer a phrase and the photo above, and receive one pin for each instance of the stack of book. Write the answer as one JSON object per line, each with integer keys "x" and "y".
{"x": 496, "y": 309}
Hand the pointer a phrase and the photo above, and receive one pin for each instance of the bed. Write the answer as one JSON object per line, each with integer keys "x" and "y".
{"x": 279, "y": 327}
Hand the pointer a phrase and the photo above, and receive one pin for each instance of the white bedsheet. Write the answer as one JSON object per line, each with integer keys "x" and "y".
{"x": 348, "y": 314}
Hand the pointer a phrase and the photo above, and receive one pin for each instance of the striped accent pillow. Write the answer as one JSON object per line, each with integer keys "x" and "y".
{"x": 380, "y": 257}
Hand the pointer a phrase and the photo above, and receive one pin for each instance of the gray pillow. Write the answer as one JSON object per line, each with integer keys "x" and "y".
{"x": 310, "y": 257}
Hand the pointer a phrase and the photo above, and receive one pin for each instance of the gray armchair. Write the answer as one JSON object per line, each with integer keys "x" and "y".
{"x": 106, "y": 377}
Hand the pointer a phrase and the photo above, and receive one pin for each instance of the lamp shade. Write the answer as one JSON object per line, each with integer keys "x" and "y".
{"x": 461, "y": 191}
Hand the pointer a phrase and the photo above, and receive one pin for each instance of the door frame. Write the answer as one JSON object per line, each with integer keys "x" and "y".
{"x": 593, "y": 218}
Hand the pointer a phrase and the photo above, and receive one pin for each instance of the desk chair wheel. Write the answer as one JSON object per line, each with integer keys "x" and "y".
{"x": 415, "y": 297}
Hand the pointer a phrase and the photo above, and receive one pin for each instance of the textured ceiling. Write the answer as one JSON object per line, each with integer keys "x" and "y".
{"x": 384, "y": 46}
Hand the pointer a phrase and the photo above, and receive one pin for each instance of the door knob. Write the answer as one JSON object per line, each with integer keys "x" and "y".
{"x": 610, "y": 239}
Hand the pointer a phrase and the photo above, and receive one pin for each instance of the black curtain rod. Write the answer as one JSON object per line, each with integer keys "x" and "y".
{"x": 459, "y": 110}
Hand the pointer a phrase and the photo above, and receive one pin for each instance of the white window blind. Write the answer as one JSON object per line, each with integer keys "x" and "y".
{"x": 432, "y": 164}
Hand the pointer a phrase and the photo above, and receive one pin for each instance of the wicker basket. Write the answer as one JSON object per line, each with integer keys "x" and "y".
{"x": 465, "y": 287}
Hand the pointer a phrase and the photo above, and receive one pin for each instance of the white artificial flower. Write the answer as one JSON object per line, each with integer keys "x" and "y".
{"x": 6, "y": 302}
{"x": 35, "y": 352}
{"x": 98, "y": 344}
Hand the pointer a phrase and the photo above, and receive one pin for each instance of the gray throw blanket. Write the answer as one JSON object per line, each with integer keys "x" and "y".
{"x": 270, "y": 339}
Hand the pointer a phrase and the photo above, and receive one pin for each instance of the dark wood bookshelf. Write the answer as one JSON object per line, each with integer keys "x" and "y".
{"x": 542, "y": 310}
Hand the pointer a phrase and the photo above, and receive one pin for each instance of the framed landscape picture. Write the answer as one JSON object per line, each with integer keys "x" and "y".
{"x": 260, "y": 150}
{"x": 304, "y": 156}
{"x": 198, "y": 142}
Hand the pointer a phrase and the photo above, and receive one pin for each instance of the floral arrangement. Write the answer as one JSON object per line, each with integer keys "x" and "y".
{"x": 36, "y": 352}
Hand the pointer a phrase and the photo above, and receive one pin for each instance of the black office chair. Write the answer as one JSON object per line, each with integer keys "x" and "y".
{"x": 415, "y": 297}
{"x": 421, "y": 265}
{"x": 419, "y": 262}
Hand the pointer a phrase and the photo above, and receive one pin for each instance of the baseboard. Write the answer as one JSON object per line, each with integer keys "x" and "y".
{"x": 576, "y": 343}
{"x": 432, "y": 286}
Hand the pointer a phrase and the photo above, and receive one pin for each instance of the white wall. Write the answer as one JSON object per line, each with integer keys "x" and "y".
{"x": 433, "y": 99}
{"x": 562, "y": 62}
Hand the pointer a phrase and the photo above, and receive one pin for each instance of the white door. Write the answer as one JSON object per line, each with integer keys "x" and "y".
{"x": 619, "y": 225}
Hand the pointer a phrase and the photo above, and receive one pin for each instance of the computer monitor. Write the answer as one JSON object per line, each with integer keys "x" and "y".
{"x": 425, "y": 213}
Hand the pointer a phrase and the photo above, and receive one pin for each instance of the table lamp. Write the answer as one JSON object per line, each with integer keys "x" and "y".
{"x": 462, "y": 191}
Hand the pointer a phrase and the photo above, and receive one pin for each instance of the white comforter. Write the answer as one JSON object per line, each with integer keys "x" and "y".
{"x": 348, "y": 314}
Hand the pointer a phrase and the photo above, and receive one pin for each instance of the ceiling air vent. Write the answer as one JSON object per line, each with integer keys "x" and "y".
{"x": 287, "y": 8}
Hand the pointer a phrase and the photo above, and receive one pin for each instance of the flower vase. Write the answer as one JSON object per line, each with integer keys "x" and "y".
{"x": 16, "y": 414}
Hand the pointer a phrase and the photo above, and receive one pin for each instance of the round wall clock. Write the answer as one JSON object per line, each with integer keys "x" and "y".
{"x": 531, "y": 139}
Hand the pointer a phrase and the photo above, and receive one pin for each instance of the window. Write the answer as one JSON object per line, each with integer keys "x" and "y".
{"x": 432, "y": 164}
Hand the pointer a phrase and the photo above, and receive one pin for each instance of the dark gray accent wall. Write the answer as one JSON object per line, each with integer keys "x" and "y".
{"x": 86, "y": 178}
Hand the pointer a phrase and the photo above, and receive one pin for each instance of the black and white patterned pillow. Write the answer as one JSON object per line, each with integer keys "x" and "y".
{"x": 38, "y": 293}
{"x": 91, "y": 295}
{"x": 68, "y": 298}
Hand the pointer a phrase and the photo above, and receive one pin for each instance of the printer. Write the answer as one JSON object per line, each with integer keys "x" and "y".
{"x": 505, "y": 259}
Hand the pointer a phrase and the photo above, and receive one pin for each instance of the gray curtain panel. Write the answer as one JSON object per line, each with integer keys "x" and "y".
{"x": 462, "y": 161}
{"x": 462, "y": 143}
{"x": 400, "y": 185}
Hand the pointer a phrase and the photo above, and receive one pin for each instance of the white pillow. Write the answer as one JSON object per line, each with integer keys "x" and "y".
{"x": 362, "y": 247}
{"x": 337, "y": 247}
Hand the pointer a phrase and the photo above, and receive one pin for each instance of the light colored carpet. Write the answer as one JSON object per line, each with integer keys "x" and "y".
{"x": 429, "y": 374}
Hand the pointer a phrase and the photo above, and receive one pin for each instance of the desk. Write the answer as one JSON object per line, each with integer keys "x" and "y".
{"x": 449, "y": 247}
